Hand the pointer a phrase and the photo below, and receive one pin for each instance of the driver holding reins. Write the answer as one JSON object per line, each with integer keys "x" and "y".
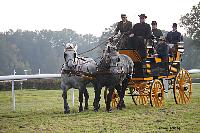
{"x": 124, "y": 27}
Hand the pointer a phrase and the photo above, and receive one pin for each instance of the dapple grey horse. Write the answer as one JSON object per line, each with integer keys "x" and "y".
{"x": 76, "y": 73}
{"x": 112, "y": 70}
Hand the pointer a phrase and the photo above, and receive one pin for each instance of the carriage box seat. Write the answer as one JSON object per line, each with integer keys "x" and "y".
{"x": 133, "y": 54}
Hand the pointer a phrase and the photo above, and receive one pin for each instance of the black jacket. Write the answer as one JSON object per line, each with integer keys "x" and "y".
{"x": 142, "y": 29}
{"x": 174, "y": 37}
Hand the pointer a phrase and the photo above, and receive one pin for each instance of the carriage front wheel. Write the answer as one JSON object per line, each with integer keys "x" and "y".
{"x": 157, "y": 93}
{"x": 139, "y": 96}
{"x": 115, "y": 98}
{"x": 182, "y": 87}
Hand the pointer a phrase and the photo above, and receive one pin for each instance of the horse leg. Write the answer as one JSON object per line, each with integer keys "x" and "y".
{"x": 124, "y": 86}
{"x": 109, "y": 98}
{"x": 97, "y": 90}
{"x": 86, "y": 95}
{"x": 64, "y": 95}
{"x": 80, "y": 100}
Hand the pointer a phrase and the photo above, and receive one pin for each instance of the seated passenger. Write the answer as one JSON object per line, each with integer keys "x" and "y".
{"x": 162, "y": 50}
{"x": 156, "y": 34}
{"x": 174, "y": 36}
{"x": 155, "y": 31}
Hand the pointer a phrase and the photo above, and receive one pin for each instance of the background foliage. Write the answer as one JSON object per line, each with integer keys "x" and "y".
{"x": 33, "y": 50}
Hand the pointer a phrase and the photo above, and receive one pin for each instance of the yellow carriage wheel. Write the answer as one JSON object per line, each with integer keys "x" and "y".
{"x": 115, "y": 98}
{"x": 157, "y": 93}
{"x": 140, "y": 97}
{"x": 182, "y": 87}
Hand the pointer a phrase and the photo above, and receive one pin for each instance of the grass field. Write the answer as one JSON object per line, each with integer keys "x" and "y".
{"x": 42, "y": 111}
{"x": 196, "y": 75}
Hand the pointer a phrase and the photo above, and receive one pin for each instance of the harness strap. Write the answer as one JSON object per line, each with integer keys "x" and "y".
{"x": 77, "y": 73}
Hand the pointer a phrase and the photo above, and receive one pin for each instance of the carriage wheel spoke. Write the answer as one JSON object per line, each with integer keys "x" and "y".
{"x": 182, "y": 96}
{"x": 142, "y": 100}
{"x": 186, "y": 96}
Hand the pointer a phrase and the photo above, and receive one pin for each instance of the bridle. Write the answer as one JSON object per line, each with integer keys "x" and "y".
{"x": 70, "y": 60}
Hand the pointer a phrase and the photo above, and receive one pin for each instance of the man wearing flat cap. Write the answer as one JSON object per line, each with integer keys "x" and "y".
{"x": 124, "y": 27}
{"x": 174, "y": 36}
{"x": 155, "y": 31}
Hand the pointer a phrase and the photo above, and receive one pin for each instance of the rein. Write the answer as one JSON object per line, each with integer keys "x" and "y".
{"x": 92, "y": 48}
{"x": 119, "y": 40}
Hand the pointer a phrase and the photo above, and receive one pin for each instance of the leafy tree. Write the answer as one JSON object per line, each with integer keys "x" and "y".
{"x": 43, "y": 49}
{"x": 191, "y": 22}
{"x": 8, "y": 57}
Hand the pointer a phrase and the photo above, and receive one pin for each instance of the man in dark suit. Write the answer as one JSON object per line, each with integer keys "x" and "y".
{"x": 140, "y": 33}
{"x": 124, "y": 28}
{"x": 174, "y": 36}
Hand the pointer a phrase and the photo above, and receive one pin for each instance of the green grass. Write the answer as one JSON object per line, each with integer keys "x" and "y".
{"x": 195, "y": 75}
{"x": 42, "y": 111}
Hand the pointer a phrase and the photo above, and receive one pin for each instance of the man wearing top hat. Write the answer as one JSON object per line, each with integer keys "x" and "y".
{"x": 124, "y": 27}
{"x": 174, "y": 36}
{"x": 140, "y": 33}
{"x": 141, "y": 29}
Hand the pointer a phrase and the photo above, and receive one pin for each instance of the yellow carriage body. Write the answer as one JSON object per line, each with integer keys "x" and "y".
{"x": 151, "y": 86}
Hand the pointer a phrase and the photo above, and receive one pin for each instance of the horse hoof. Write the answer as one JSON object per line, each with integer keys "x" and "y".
{"x": 80, "y": 109}
{"x": 109, "y": 110}
{"x": 119, "y": 108}
{"x": 99, "y": 106}
{"x": 86, "y": 108}
{"x": 96, "y": 110}
{"x": 66, "y": 111}
{"x": 123, "y": 105}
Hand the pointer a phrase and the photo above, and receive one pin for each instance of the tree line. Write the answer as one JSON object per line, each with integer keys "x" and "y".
{"x": 34, "y": 50}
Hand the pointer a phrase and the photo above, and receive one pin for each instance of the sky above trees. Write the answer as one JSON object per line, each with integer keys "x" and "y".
{"x": 88, "y": 16}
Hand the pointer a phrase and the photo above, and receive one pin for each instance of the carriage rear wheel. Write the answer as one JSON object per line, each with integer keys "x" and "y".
{"x": 157, "y": 93}
{"x": 182, "y": 87}
{"x": 115, "y": 98}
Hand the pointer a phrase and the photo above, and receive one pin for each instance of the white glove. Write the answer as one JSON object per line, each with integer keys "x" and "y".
{"x": 131, "y": 35}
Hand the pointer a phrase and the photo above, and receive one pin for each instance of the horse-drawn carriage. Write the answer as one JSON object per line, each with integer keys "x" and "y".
{"x": 148, "y": 78}
{"x": 159, "y": 73}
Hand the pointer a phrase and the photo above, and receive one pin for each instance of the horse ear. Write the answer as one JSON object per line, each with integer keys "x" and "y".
{"x": 108, "y": 49}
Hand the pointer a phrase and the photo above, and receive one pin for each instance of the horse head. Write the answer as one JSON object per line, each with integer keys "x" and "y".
{"x": 70, "y": 54}
{"x": 110, "y": 59}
